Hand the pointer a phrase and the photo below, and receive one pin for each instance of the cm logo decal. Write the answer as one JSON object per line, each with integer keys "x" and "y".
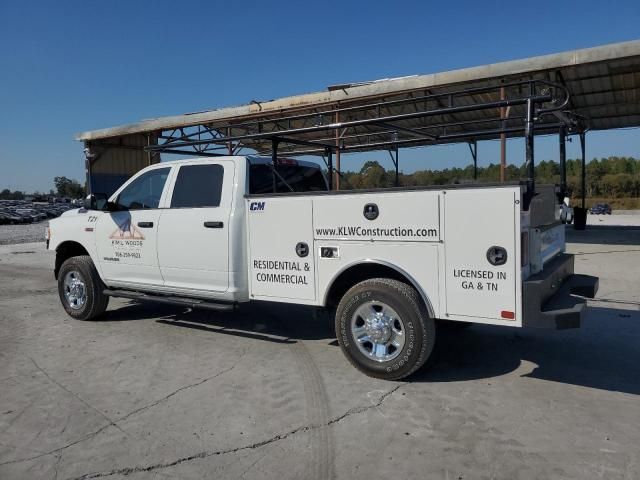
{"x": 256, "y": 206}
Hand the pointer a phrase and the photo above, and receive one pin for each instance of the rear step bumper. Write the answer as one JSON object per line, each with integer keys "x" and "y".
{"x": 186, "y": 302}
{"x": 553, "y": 297}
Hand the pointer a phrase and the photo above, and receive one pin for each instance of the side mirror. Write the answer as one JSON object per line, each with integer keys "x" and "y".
{"x": 96, "y": 201}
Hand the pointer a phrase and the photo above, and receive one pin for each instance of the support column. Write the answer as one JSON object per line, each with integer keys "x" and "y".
{"x": 337, "y": 173}
{"x": 529, "y": 155}
{"x": 583, "y": 180}
{"x": 562, "y": 137}
{"x": 473, "y": 147}
{"x": 148, "y": 151}
{"x": 503, "y": 140}
{"x": 274, "y": 160}
{"x": 394, "y": 158}
{"x": 397, "y": 161}
{"x": 87, "y": 166}
{"x": 330, "y": 167}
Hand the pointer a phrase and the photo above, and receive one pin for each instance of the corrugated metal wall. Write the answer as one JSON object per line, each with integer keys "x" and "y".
{"x": 111, "y": 162}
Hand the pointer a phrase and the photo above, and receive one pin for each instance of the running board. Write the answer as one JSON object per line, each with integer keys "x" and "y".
{"x": 186, "y": 302}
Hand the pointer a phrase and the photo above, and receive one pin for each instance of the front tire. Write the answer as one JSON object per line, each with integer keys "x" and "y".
{"x": 384, "y": 329}
{"x": 80, "y": 288}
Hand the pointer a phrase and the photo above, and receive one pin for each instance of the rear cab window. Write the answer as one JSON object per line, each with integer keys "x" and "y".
{"x": 287, "y": 176}
{"x": 198, "y": 186}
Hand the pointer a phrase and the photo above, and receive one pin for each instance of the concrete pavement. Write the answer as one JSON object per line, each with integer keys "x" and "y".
{"x": 162, "y": 392}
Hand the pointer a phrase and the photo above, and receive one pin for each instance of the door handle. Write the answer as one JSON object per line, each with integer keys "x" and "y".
{"x": 145, "y": 224}
{"x": 213, "y": 224}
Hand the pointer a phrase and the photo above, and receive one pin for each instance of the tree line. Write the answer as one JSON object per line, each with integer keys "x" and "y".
{"x": 612, "y": 177}
{"x": 64, "y": 187}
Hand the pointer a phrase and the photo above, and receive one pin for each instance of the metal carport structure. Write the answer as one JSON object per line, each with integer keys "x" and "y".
{"x": 565, "y": 93}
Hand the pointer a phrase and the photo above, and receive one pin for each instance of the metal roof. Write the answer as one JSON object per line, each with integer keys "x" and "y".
{"x": 594, "y": 88}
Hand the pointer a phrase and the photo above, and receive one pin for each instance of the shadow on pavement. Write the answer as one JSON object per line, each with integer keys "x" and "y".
{"x": 603, "y": 354}
{"x": 605, "y": 235}
{"x": 139, "y": 311}
{"x": 270, "y": 322}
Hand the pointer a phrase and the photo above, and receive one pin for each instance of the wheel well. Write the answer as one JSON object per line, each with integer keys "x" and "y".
{"x": 65, "y": 251}
{"x": 364, "y": 271}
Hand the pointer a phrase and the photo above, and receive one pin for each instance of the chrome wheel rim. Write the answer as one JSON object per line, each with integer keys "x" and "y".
{"x": 75, "y": 290}
{"x": 378, "y": 331}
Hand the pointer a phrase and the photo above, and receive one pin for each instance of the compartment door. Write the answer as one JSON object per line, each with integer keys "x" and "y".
{"x": 281, "y": 251}
{"x": 476, "y": 220}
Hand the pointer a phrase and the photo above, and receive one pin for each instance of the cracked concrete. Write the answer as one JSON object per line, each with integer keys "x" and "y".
{"x": 161, "y": 392}
{"x": 276, "y": 438}
{"x": 53, "y": 380}
{"x": 114, "y": 423}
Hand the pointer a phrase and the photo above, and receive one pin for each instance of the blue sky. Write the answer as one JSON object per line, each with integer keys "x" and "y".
{"x": 70, "y": 66}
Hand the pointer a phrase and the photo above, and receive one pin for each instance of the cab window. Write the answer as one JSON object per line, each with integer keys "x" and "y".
{"x": 145, "y": 191}
{"x": 263, "y": 178}
{"x": 198, "y": 186}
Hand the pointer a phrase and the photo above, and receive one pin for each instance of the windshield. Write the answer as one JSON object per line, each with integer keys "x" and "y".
{"x": 287, "y": 178}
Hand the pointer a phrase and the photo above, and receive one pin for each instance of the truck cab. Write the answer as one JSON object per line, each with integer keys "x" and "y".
{"x": 178, "y": 227}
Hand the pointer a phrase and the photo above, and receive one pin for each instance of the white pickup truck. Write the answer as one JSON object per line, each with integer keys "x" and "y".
{"x": 212, "y": 233}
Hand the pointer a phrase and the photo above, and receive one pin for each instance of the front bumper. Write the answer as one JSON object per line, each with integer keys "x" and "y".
{"x": 553, "y": 298}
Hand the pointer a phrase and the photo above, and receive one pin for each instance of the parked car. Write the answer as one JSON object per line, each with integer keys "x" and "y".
{"x": 24, "y": 211}
{"x": 600, "y": 209}
{"x": 48, "y": 211}
{"x": 566, "y": 214}
{"x": 30, "y": 212}
{"x": 19, "y": 217}
{"x": 7, "y": 217}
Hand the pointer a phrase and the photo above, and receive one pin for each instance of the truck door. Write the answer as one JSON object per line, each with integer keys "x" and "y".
{"x": 126, "y": 239}
{"x": 193, "y": 238}
{"x": 481, "y": 260}
{"x": 281, "y": 249}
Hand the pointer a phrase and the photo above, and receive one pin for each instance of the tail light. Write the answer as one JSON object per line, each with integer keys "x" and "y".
{"x": 508, "y": 315}
{"x": 524, "y": 248}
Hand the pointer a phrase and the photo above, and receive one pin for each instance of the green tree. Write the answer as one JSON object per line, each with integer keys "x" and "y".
{"x": 373, "y": 175}
{"x": 612, "y": 177}
{"x": 67, "y": 187}
{"x": 7, "y": 194}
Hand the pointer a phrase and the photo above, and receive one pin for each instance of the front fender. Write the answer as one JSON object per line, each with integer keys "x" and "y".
{"x": 75, "y": 227}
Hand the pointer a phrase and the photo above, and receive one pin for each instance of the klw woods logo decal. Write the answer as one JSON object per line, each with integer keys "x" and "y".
{"x": 127, "y": 243}
{"x": 126, "y": 231}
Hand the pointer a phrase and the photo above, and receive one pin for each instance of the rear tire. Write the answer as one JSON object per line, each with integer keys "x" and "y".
{"x": 81, "y": 289}
{"x": 384, "y": 329}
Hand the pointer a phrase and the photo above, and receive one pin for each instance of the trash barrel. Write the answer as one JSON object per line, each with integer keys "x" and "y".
{"x": 579, "y": 218}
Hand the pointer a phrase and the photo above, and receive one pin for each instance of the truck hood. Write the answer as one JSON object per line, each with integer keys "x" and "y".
{"x": 73, "y": 212}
